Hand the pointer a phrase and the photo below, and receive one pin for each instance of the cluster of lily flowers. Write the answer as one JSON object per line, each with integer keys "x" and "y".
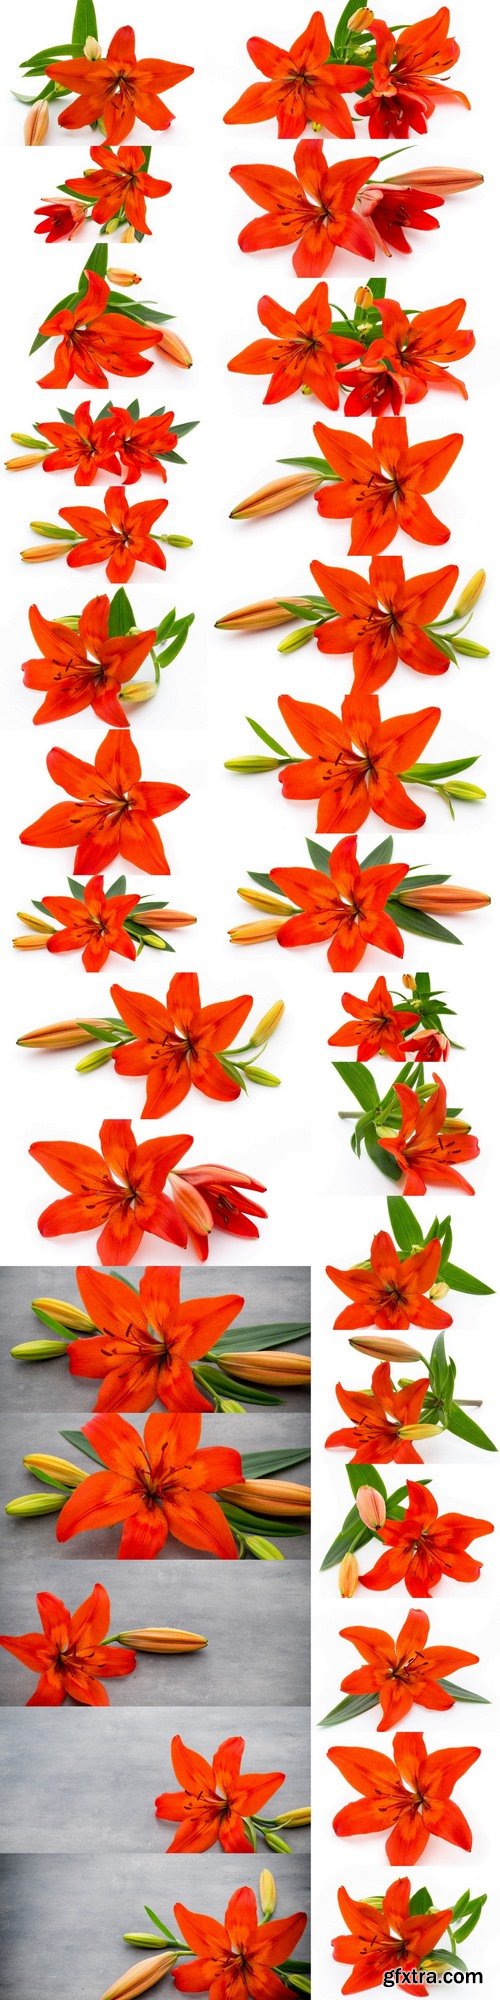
{"x": 250, "y": 1950}
{"x": 113, "y": 193}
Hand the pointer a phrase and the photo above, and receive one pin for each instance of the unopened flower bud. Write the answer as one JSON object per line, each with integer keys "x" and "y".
{"x": 38, "y": 943}
{"x": 257, "y": 933}
{"x": 264, "y": 1551}
{"x": 30, "y": 1505}
{"x": 348, "y": 1576}
{"x": 49, "y": 553}
{"x": 470, "y": 594}
{"x": 161, "y": 1639}
{"x": 128, "y": 234}
{"x": 176, "y": 541}
{"x": 456, "y": 790}
{"x": 301, "y": 1817}
{"x": 175, "y": 349}
{"x": 383, "y": 1348}
{"x": 363, "y": 297}
{"x": 112, "y": 225}
{"x": 139, "y": 691}
{"x": 123, "y": 278}
{"x": 267, "y": 1026}
{"x": 437, "y": 180}
{"x": 59, "y": 1469}
{"x": 259, "y": 617}
{"x": 267, "y": 1893}
{"x": 39, "y": 1350}
{"x": 360, "y": 20}
{"x": 444, "y": 900}
{"x": 140, "y": 1977}
{"x": 439, "y": 1290}
{"x": 36, "y": 124}
{"x": 280, "y": 493}
{"x": 371, "y": 1507}
{"x": 412, "y": 1432}
{"x": 66, "y": 1315}
{"x": 409, "y": 982}
{"x": 59, "y": 1035}
{"x": 92, "y": 50}
{"x": 24, "y": 464}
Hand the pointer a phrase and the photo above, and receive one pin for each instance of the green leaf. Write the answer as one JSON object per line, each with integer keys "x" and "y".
{"x": 250, "y": 1339}
{"x": 359, "y": 1079}
{"x": 266, "y": 882}
{"x": 348, "y": 1710}
{"x": 406, "y": 1230}
{"x": 319, "y": 856}
{"x": 462, "y": 1281}
{"x": 178, "y": 641}
{"x": 442, "y": 1957}
{"x": 384, "y": 1161}
{"x": 418, "y": 922}
{"x": 264, "y": 1464}
{"x": 81, "y": 1443}
{"x": 460, "y": 1907}
{"x": 270, "y": 740}
{"x": 463, "y": 1694}
{"x": 159, "y": 1925}
{"x": 463, "y": 1426}
{"x": 85, "y": 22}
{"x": 420, "y": 1903}
{"x": 96, "y": 261}
{"x": 379, "y": 855}
{"x": 471, "y": 1920}
{"x": 119, "y": 888}
{"x": 121, "y": 616}
{"x": 365, "y": 1475}
{"x": 319, "y": 465}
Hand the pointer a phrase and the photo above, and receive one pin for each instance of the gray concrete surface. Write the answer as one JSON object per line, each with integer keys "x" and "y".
{"x": 270, "y": 1293}
{"x": 256, "y": 1624}
{"x": 47, "y": 1758}
{"x": 22, "y": 1540}
{"x": 63, "y": 1921}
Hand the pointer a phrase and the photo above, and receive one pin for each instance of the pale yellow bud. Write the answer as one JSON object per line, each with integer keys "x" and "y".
{"x": 36, "y": 124}
{"x": 260, "y": 899}
{"x": 301, "y": 1817}
{"x": 59, "y": 1469}
{"x": 66, "y": 1315}
{"x": 39, "y": 1350}
{"x": 92, "y": 50}
{"x": 128, "y": 234}
{"x": 30, "y": 1505}
{"x": 470, "y": 594}
{"x": 267, "y": 1026}
{"x": 348, "y": 1576}
{"x": 412, "y": 1432}
{"x": 371, "y": 1507}
{"x": 439, "y": 1290}
{"x": 267, "y": 1892}
{"x": 147, "y": 1972}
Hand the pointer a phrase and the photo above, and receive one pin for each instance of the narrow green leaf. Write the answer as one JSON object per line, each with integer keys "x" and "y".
{"x": 462, "y": 1426}
{"x": 265, "y": 738}
{"x": 81, "y": 1443}
{"x": 319, "y": 856}
{"x": 121, "y": 616}
{"x": 463, "y": 1694}
{"x": 406, "y": 1230}
{"x": 384, "y": 1161}
{"x": 264, "y": 1464}
{"x": 360, "y": 1081}
{"x": 348, "y": 1710}
{"x": 379, "y": 855}
{"x": 85, "y": 22}
{"x": 462, "y": 1281}
{"x": 365, "y": 1475}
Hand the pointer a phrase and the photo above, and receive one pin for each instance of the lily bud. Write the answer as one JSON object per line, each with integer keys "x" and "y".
{"x": 59, "y": 1469}
{"x": 36, "y": 124}
{"x": 409, "y": 982}
{"x": 128, "y": 234}
{"x": 470, "y": 594}
{"x": 267, "y": 1026}
{"x": 437, "y": 180}
{"x": 111, "y": 226}
{"x": 256, "y": 933}
{"x": 32, "y": 943}
{"x": 230, "y": 1408}
{"x": 274, "y": 1369}
{"x": 444, "y": 899}
{"x": 166, "y": 920}
{"x": 23, "y": 464}
{"x": 49, "y": 553}
{"x": 413, "y": 1432}
{"x": 348, "y": 1576}
{"x": 301, "y": 1817}
{"x": 260, "y": 899}
{"x": 455, "y": 790}
{"x": 383, "y": 1349}
{"x": 39, "y": 1350}
{"x": 60, "y": 1035}
{"x": 364, "y": 297}
{"x": 30, "y": 1505}
{"x": 161, "y": 1639}
{"x": 66, "y": 1315}
{"x": 439, "y": 1290}
{"x": 140, "y": 1977}
{"x": 371, "y": 1507}
{"x": 260, "y": 617}
{"x": 360, "y": 20}
{"x": 92, "y": 50}
{"x": 267, "y": 1892}
{"x": 259, "y": 1496}
{"x": 175, "y": 350}
{"x": 139, "y": 691}
{"x": 176, "y": 541}
{"x": 294, "y": 640}
{"x": 123, "y": 278}
{"x": 264, "y": 1550}
{"x": 279, "y": 494}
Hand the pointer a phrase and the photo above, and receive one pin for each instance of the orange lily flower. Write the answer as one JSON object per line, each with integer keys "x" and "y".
{"x": 405, "y": 1670}
{"x": 386, "y": 1938}
{"x": 303, "y": 85}
{"x": 177, "y": 1044}
{"x": 69, "y": 1653}
{"x": 378, "y": 1028}
{"x": 314, "y": 207}
{"x": 60, "y": 219}
{"x": 382, "y": 484}
{"x": 121, "y": 1188}
{"x": 147, "y": 1342}
{"x": 84, "y": 447}
{"x": 384, "y": 620}
{"x": 388, "y": 209}
{"x": 347, "y": 905}
{"x": 403, "y": 90}
{"x": 142, "y": 442}
{"x": 113, "y": 810}
{"x": 391, "y": 1292}
{"x": 425, "y": 1151}
{"x": 425, "y": 1546}
{"x": 409, "y": 1792}
{"x": 120, "y": 184}
{"x": 95, "y": 923}
{"x": 86, "y": 668}
{"x": 355, "y": 762}
{"x": 120, "y": 537}
{"x": 377, "y": 1415}
{"x": 117, "y": 88}
{"x": 91, "y": 340}
{"x": 410, "y": 357}
{"x": 236, "y": 1959}
{"x": 215, "y": 1799}
{"x": 212, "y": 1197}
{"x": 158, "y": 1485}
{"x": 302, "y": 353}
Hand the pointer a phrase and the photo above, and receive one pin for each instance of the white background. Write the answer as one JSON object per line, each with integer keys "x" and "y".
{"x": 291, "y": 1139}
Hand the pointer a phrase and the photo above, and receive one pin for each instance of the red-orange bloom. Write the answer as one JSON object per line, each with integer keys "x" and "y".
{"x": 59, "y": 219}
{"x": 425, "y": 1546}
{"x": 377, "y": 1027}
{"x": 236, "y": 1960}
{"x": 391, "y": 1292}
{"x": 120, "y": 537}
{"x": 212, "y": 1197}
{"x": 177, "y": 1044}
{"x": 409, "y": 1792}
{"x": 347, "y": 905}
{"x": 403, "y": 89}
{"x": 120, "y": 1188}
{"x": 387, "y": 1940}
{"x": 384, "y": 620}
{"x": 84, "y": 446}
{"x": 424, "y": 1150}
{"x": 216, "y": 1798}
{"x": 84, "y": 668}
{"x": 147, "y": 1341}
{"x": 121, "y": 184}
{"x": 69, "y": 1654}
{"x": 390, "y": 209}
{"x": 382, "y": 484}
{"x": 410, "y": 357}
{"x": 355, "y": 762}
{"x": 92, "y": 340}
{"x": 117, "y": 88}
{"x": 378, "y": 1415}
{"x": 94, "y": 924}
{"x": 112, "y": 809}
{"x": 314, "y": 207}
{"x": 302, "y": 353}
{"x": 142, "y": 442}
{"x": 303, "y": 85}
{"x": 158, "y": 1485}
{"x": 405, "y": 1670}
